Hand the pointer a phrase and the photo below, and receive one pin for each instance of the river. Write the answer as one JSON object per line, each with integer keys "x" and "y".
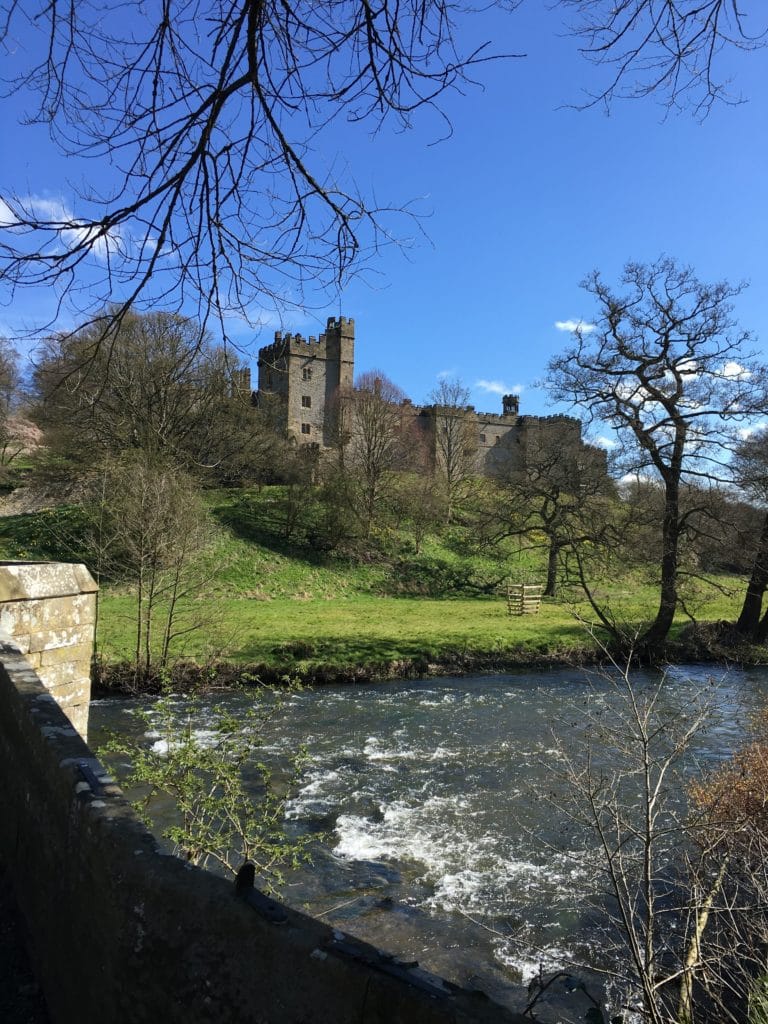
{"x": 437, "y": 840}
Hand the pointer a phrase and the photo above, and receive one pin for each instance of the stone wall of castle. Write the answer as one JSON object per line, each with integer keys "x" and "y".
{"x": 306, "y": 376}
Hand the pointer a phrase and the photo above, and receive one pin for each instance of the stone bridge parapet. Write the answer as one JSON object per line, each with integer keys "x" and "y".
{"x": 119, "y": 930}
{"x": 48, "y": 613}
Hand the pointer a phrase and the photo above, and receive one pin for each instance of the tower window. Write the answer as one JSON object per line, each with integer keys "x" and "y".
{"x": 306, "y": 402}
{"x": 306, "y": 373}
{"x": 482, "y": 439}
{"x": 305, "y": 428}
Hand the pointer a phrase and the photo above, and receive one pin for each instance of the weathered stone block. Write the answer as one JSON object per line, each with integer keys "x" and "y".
{"x": 70, "y": 636}
{"x": 65, "y": 691}
{"x": 48, "y": 611}
{"x": 77, "y": 654}
{"x": 22, "y": 581}
{"x": 63, "y": 672}
{"x": 39, "y": 615}
{"x": 78, "y": 716}
{"x": 21, "y": 641}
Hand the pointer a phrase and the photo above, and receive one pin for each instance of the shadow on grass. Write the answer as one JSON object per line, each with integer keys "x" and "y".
{"x": 428, "y": 576}
{"x": 255, "y": 522}
{"x": 59, "y": 534}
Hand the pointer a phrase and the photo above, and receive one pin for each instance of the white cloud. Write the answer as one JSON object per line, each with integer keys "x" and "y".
{"x": 7, "y": 219}
{"x": 48, "y": 209}
{"x": 630, "y": 391}
{"x": 688, "y": 368}
{"x": 638, "y": 477}
{"x": 574, "y": 325}
{"x": 735, "y": 371}
{"x": 60, "y": 219}
{"x": 630, "y": 480}
{"x": 446, "y": 374}
{"x": 605, "y": 442}
{"x": 755, "y": 428}
{"x": 498, "y": 387}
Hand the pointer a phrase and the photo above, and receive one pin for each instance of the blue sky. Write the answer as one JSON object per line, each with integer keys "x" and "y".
{"x": 525, "y": 198}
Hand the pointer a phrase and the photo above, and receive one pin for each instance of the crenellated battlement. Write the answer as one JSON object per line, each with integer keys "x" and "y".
{"x": 498, "y": 417}
{"x": 295, "y": 339}
{"x": 347, "y": 323}
{"x": 305, "y": 375}
{"x": 288, "y": 342}
{"x": 535, "y": 421}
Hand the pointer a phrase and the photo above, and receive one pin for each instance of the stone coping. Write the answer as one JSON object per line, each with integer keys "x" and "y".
{"x": 24, "y": 581}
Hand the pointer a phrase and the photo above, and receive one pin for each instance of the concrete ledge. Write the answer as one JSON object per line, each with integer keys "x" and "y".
{"x": 122, "y": 932}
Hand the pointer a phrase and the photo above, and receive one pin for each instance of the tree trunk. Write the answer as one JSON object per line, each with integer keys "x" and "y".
{"x": 659, "y": 629}
{"x": 139, "y": 624}
{"x": 749, "y": 621}
{"x": 550, "y": 590}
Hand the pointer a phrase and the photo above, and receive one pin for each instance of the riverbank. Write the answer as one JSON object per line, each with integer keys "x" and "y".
{"x": 260, "y": 606}
{"x": 705, "y": 643}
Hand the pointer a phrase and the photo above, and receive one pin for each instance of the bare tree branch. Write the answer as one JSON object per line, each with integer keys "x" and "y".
{"x": 213, "y": 117}
{"x": 675, "y": 49}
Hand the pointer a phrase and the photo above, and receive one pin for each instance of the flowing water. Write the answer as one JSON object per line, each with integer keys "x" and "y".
{"x": 429, "y": 798}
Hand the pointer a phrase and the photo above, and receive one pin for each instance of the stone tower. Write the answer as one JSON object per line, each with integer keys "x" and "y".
{"x": 303, "y": 377}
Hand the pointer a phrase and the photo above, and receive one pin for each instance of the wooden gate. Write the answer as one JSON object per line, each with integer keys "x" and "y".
{"x": 523, "y": 598}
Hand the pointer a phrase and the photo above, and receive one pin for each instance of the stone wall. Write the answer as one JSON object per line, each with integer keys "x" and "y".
{"x": 48, "y": 611}
{"x": 121, "y": 931}
{"x": 305, "y": 376}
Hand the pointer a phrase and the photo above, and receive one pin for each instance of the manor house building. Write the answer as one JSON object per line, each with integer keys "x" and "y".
{"x": 303, "y": 380}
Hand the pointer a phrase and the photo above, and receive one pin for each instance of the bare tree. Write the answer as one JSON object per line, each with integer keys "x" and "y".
{"x": 674, "y": 873}
{"x": 161, "y": 387}
{"x": 673, "y": 48}
{"x": 455, "y": 439}
{"x": 375, "y": 447}
{"x": 12, "y": 432}
{"x": 418, "y": 503}
{"x": 732, "y": 829}
{"x": 210, "y": 116}
{"x": 148, "y": 527}
{"x": 667, "y": 368}
{"x": 210, "y": 113}
{"x": 628, "y": 542}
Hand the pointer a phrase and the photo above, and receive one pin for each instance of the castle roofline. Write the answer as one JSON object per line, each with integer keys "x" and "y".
{"x": 289, "y": 342}
{"x": 498, "y": 417}
{"x": 555, "y": 418}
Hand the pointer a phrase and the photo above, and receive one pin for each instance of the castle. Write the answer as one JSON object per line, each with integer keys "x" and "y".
{"x": 302, "y": 379}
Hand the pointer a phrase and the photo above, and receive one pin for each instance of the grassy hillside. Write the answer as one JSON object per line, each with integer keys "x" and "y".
{"x": 265, "y": 599}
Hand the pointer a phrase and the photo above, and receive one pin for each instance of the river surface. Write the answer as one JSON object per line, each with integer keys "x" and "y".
{"x": 437, "y": 840}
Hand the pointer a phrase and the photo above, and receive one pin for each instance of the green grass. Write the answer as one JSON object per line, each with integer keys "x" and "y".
{"x": 272, "y": 601}
{"x": 365, "y": 629}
